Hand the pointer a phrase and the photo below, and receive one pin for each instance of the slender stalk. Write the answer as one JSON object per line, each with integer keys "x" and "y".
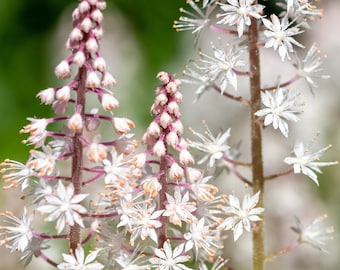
{"x": 77, "y": 160}
{"x": 162, "y": 198}
{"x": 256, "y": 141}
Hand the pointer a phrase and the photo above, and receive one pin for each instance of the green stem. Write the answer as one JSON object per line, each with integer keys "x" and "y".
{"x": 256, "y": 141}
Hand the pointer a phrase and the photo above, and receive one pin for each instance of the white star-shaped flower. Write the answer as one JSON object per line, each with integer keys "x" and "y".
{"x": 168, "y": 259}
{"x": 240, "y": 218}
{"x": 64, "y": 207}
{"x": 280, "y": 34}
{"x": 78, "y": 261}
{"x": 307, "y": 162}
{"x": 281, "y": 105}
{"x": 239, "y": 12}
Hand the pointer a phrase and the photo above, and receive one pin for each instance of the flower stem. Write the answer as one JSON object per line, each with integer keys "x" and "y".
{"x": 77, "y": 160}
{"x": 256, "y": 141}
{"x": 162, "y": 199}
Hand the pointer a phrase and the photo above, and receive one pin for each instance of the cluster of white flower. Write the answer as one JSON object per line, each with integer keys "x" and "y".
{"x": 154, "y": 209}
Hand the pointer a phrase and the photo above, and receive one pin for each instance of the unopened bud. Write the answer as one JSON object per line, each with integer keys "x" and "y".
{"x": 64, "y": 94}
{"x": 109, "y": 102}
{"x": 63, "y": 70}
{"x": 75, "y": 123}
{"x": 46, "y": 96}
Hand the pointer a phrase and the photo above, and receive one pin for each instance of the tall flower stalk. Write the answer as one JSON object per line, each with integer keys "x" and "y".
{"x": 118, "y": 208}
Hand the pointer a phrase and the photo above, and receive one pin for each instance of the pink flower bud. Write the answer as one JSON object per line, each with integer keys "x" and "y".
{"x": 92, "y": 79}
{"x": 46, "y": 96}
{"x": 139, "y": 160}
{"x": 93, "y": 2}
{"x": 76, "y": 35}
{"x": 92, "y": 45}
{"x": 192, "y": 174}
{"x": 171, "y": 87}
{"x": 64, "y": 94}
{"x": 176, "y": 171}
{"x": 122, "y": 125}
{"x": 109, "y": 102}
{"x": 172, "y": 139}
{"x": 86, "y": 25}
{"x": 178, "y": 126}
{"x": 185, "y": 157}
{"x": 173, "y": 108}
{"x": 79, "y": 58}
{"x": 159, "y": 148}
{"x": 108, "y": 80}
{"x": 84, "y": 7}
{"x": 98, "y": 32}
{"x": 99, "y": 64}
{"x": 97, "y": 16}
{"x": 75, "y": 123}
{"x": 75, "y": 14}
{"x": 59, "y": 107}
{"x": 178, "y": 97}
{"x": 101, "y": 5}
{"x": 63, "y": 70}
{"x": 161, "y": 99}
{"x": 165, "y": 120}
{"x": 97, "y": 152}
{"x": 163, "y": 77}
{"x": 154, "y": 129}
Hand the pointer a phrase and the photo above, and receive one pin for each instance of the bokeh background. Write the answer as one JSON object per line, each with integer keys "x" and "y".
{"x": 140, "y": 41}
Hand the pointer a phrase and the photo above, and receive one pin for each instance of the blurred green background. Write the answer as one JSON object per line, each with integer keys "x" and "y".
{"x": 31, "y": 32}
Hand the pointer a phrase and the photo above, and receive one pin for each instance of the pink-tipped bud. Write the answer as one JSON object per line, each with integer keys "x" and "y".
{"x": 92, "y": 45}
{"x": 108, "y": 102}
{"x": 172, "y": 139}
{"x": 92, "y": 79}
{"x": 99, "y": 64}
{"x": 159, "y": 148}
{"x": 139, "y": 160}
{"x": 173, "y": 108}
{"x": 86, "y": 25}
{"x": 178, "y": 82}
{"x": 79, "y": 58}
{"x": 84, "y": 7}
{"x": 59, "y": 107}
{"x": 178, "y": 97}
{"x": 93, "y": 2}
{"x": 163, "y": 77}
{"x": 101, "y": 5}
{"x": 108, "y": 80}
{"x": 171, "y": 87}
{"x": 75, "y": 123}
{"x": 97, "y": 152}
{"x": 75, "y": 14}
{"x": 98, "y": 32}
{"x": 64, "y": 94}
{"x": 161, "y": 99}
{"x": 46, "y": 96}
{"x": 185, "y": 157}
{"x": 63, "y": 70}
{"x": 122, "y": 125}
{"x": 183, "y": 144}
{"x": 165, "y": 119}
{"x": 178, "y": 126}
{"x": 192, "y": 174}
{"x": 76, "y": 35}
{"x": 154, "y": 129}
{"x": 176, "y": 172}
{"x": 97, "y": 16}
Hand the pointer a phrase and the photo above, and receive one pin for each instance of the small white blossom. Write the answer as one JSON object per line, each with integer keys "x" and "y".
{"x": 179, "y": 208}
{"x": 280, "y": 105}
{"x": 309, "y": 68}
{"x": 37, "y": 131}
{"x": 44, "y": 162}
{"x": 117, "y": 169}
{"x": 168, "y": 259}
{"x": 16, "y": 233}
{"x": 214, "y": 147}
{"x": 222, "y": 66}
{"x": 16, "y": 173}
{"x": 307, "y": 162}
{"x": 314, "y": 233}
{"x": 194, "y": 21}
{"x": 239, "y": 12}
{"x": 64, "y": 207}
{"x": 240, "y": 218}
{"x": 280, "y": 35}
{"x": 78, "y": 261}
